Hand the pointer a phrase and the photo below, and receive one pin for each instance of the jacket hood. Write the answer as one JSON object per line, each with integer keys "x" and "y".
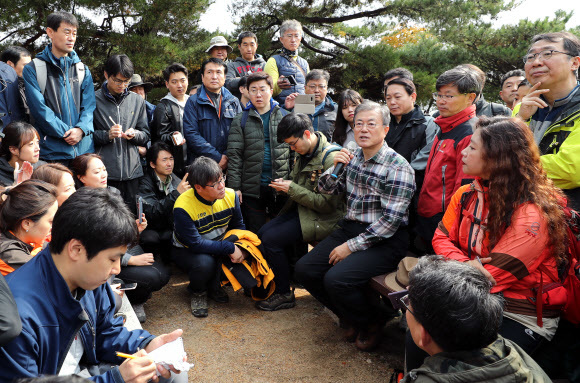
{"x": 170, "y": 97}
{"x": 259, "y": 59}
{"x": 46, "y": 55}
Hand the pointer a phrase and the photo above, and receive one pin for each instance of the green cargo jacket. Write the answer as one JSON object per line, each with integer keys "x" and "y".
{"x": 318, "y": 213}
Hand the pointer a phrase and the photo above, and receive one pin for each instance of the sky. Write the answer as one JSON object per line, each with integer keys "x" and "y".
{"x": 217, "y": 15}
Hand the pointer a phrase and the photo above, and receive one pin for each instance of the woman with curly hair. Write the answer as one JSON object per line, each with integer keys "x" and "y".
{"x": 509, "y": 223}
{"x": 343, "y": 133}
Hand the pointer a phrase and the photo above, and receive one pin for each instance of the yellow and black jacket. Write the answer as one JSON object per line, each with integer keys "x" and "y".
{"x": 254, "y": 271}
{"x": 200, "y": 225}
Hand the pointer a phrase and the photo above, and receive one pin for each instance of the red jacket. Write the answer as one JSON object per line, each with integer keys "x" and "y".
{"x": 514, "y": 259}
{"x": 444, "y": 172}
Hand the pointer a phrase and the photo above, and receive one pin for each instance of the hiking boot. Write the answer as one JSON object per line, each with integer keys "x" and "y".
{"x": 140, "y": 312}
{"x": 219, "y": 295}
{"x": 199, "y": 304}
{"x": 277, "y": 302}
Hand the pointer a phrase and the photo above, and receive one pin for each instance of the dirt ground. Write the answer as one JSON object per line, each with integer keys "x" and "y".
{"x": 238, "y": 343}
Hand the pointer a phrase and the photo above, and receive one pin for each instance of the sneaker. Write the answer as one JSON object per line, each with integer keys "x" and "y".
{"x": 219, "y": 295}
{"x": 140, "y": 312}
{"x": 277, "y": 302}
{"x": 199, "y": 304}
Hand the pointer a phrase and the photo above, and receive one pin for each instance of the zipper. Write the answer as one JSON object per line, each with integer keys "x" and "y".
{"x": 435, "y": 153}
{"x": 470, "y": 243}
{"x": 443, "y": 193}
{"x": 78, "y": 328}
{"x": 120, "y": 143}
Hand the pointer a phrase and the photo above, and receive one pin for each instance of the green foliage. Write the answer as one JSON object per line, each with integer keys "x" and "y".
{"x": 153, "y": 33}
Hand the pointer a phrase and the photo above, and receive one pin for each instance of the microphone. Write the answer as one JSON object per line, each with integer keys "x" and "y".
{"x": 351, "y": 147}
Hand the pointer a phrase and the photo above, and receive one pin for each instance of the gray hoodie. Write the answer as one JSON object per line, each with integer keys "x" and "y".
{"x": 240, "y": 68}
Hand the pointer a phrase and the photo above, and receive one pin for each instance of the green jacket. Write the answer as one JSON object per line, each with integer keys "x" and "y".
{"x": 501, "y": 362}
{"x": 246, "y": 152}
{"x": 318, "y": 213}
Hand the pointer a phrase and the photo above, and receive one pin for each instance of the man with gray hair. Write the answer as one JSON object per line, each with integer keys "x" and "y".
{"x": 324, "y": 115}
{"x": 453, "y": 317}
{"x": 371, "y": 239}
{"x": 287, "y": 69}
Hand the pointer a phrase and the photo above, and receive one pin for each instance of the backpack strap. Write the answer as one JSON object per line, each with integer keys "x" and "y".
{"x": 41, "y": 74}
{"x": 329, "y": 149}
{"x": 245, "y": 115}
{"x": 80, "y": 71}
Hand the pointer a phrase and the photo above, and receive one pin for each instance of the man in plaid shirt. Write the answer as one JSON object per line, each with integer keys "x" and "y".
{"x": 372, "y": 238}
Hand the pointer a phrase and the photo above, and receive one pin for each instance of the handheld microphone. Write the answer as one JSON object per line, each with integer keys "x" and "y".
{"x": 351, "y": 147}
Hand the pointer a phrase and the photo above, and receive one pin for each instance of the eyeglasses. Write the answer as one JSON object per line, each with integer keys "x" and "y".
{"x": 294, "y": 143}
{"x": 218, "y": 183}
{"x": 370, "y": 125}
{"x": 446, "y": 97}
{"x": 314, "y": 87}
{"x": 406, "y": 302}
{"x": 255, "y": 91}
{"x": 120, "y": 82}
{"x": 543, "y": 55}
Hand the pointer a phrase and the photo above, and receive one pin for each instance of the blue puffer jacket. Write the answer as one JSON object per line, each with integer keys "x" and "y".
{"x": 63, "y": 106}
{"x": 205, "y": 132}
{"x": 50, "y": 319}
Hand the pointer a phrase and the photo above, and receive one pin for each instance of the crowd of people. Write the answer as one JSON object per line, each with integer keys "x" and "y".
{"x": 230, "y": 182}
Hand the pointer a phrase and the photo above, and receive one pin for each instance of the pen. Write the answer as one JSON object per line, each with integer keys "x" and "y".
{"x": 478, "y": 260}
{"x": 113, "y": 121}
{"x": 123, "y": 355}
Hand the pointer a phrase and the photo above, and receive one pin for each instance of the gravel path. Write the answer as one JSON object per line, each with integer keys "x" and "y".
{"x": 238, "y": 343}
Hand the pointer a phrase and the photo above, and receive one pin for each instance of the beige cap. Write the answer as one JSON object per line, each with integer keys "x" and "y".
{"x": 219, "y": 41}
{"x": 399, "y": 280}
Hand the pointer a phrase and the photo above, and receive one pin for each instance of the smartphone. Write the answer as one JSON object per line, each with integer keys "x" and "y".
{"x": 127, "y": 286}
{"x": 291, "y": 79}
{"x": 177, "y": 138}
{"x": 394, "y": 298}
{"x": 140, "y": 209}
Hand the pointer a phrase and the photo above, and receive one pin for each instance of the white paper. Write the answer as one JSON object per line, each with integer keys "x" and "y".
{"x": 171, "y": 354}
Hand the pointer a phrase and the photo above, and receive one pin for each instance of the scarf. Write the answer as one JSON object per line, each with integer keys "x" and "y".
{"x": 289, "y": 53}
{"x": 448, "y": 123}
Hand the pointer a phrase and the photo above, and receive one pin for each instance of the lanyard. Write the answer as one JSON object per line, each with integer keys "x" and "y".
{"x": 220, "y": 108}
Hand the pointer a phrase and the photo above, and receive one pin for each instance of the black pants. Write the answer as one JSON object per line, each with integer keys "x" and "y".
{"x": 342, "y": 287}
{"x": 157, "y": 242}
{"x": 202, "y": 269}
{"x": 129, "y": 189}
{"x": 277, "y": 236}
{"x": 256, "y": 211}
{"x": 148, "y": 278}
{"x": 528, "y": 340}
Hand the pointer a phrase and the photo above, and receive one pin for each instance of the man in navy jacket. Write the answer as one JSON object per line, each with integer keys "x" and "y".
{"x": 208, "y": 115}
{"x": 66, "y": 306}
